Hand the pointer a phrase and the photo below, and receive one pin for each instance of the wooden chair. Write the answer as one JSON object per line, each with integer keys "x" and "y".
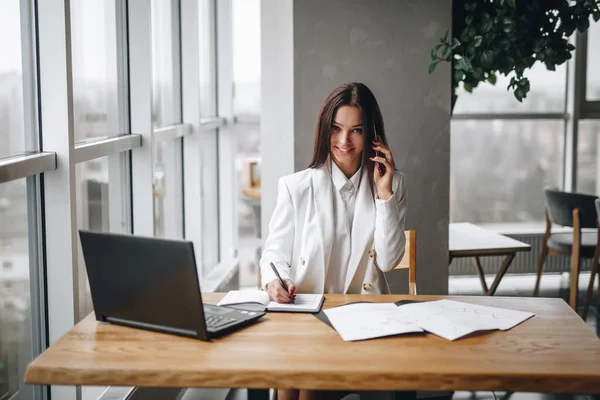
{"x": 588, "y": 296}
{"x": 578, "y": 211}
{"x": 409, "y": 260}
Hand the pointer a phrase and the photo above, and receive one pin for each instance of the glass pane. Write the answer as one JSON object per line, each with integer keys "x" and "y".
{"x": 593, "y": 62}
{"x": 246, "y": 101}
{"x": 499, "y": 168}
{"x": 208, "y": 78}
{"x": 101, "y": 206}
{"x": 98, "y": 105}
{"x": 588, "y": 157}
{"x": 248, "y": 162}
{"x": 12, "y": 136}
{"x": 168, "y": 189}
{"x": 246, "y": 56}
{"x": 166, "y": 84}
{"x": 15, "y": 316}
{"x": 166, "y": 93}
{"x": 547, "y": 94}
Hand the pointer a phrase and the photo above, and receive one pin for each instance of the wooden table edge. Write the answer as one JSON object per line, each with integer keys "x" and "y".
{"x": 487, "y": 252}
{"x": 421, "y": 381}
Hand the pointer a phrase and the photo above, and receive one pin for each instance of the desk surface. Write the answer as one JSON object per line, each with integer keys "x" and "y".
{"x": 466, "y": 239}
{"x": 552, "y": 352}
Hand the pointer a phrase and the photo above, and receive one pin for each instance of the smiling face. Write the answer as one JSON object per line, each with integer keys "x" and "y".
{"x": 347, "y": 139}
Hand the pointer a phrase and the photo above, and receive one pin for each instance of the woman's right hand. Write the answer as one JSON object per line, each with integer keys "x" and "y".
{"x": 278, "y": 294}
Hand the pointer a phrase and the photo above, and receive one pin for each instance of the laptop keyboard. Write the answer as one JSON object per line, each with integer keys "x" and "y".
{"x": 217, "y": 321}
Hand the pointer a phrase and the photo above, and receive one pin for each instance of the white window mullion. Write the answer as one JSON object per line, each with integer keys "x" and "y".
{"x": 210, "y": 199}
{"x": 575, "y": 97}
{"x": 226, "y": 140}
{"x": 209, "y": 122}
{"x": 56, "y": 95}
{"x": 192, "y": 162}
{"x": 140, "y": 84}
{"x": 118, "y": 163}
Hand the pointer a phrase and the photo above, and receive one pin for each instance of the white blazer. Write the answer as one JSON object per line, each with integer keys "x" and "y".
{"x": 301, "y": 233}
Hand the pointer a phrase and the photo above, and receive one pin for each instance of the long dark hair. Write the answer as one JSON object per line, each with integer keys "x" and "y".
{"x": 349, "y": 94}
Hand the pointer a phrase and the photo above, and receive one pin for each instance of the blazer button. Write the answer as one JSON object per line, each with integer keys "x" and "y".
{"x": 367, "y": 287}
{"x": 372, "y": 253}
{"x": 302, "y": 261}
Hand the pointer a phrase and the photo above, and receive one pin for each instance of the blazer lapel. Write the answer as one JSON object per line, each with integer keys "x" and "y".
{"x": 363, "y": 226}
{"x": 323, "y": 204}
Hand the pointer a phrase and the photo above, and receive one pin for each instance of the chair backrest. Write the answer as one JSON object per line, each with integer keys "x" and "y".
{"x": 409, "y": 260}
{"x": 560, "y": 206}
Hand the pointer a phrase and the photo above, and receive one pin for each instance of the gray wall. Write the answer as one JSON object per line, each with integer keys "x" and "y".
{"x": 384, "y": 44}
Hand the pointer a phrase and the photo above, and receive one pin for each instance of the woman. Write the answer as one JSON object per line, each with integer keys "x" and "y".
{"x": 339, "y": 224}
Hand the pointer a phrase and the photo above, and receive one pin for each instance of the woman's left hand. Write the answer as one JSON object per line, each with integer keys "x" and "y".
{"x": 383, "y": 183}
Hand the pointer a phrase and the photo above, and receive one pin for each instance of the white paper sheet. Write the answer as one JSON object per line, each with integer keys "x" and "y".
{"x": 445, "y": 318}
{"x": 453, "y": 319}
{"x": 369, "y": 320}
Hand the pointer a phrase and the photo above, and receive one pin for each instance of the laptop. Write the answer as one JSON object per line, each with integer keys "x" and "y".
{"x": 151, "y": 283}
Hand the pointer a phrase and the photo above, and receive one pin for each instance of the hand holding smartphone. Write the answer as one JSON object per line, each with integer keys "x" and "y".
{"x": 380, "y": 166}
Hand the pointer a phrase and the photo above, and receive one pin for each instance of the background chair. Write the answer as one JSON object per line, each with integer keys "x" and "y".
{"x": 574, "y": 210}
{"x": 588, "y": 296}
{"x": 409, "y": 260}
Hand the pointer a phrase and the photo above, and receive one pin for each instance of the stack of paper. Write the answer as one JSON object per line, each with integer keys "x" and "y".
{"x": 446, "y": 318}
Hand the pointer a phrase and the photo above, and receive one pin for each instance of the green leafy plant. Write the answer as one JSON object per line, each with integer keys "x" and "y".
{"x": 491, "y": 37}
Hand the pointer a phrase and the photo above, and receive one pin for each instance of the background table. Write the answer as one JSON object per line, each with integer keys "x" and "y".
{"x": 468, "y": 240}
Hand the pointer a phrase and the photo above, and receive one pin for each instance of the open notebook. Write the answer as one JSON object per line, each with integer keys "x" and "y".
{"x": 259, "y": 301}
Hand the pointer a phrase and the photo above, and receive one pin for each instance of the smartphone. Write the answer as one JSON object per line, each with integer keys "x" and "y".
{"x": 380, "y": 166}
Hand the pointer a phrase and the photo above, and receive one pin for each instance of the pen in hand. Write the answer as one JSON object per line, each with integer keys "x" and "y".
{"x": 281, "y": 281}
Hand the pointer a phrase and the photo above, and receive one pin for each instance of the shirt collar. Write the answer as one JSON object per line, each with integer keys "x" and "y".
{"x": 340, "y": 180}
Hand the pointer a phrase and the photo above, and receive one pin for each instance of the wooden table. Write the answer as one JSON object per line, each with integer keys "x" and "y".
{"x": 552, "y": 352}
{"x": 468, "y": 240}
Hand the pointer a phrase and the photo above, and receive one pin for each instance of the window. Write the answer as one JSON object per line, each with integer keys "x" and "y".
{"x": 166, "y": 90}
{"x": 246, "y": 106}
{"x": 12, "y": 136}
{"x": 547, "y": 94}
{"x": 98, "y": 101}
{"x": 166, "y": 106}
{"x": 207, "y": 54}
{"x": 593, "y": 62}
{"x": 504, "y": 152}
{"x": 15, "y": 313}
{"x": 246, "y": 56}
{"x": 101, "y": 207}
{"x": 499, "y": 169}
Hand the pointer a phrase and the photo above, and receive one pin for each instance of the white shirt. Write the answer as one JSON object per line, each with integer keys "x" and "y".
{"x": 344, "y": 199}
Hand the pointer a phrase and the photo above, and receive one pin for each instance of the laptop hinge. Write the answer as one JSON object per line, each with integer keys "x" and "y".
{"x": 154, "y": 327}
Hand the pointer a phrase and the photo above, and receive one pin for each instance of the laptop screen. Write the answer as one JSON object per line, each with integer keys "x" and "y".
{"x": 145, "y": 282}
